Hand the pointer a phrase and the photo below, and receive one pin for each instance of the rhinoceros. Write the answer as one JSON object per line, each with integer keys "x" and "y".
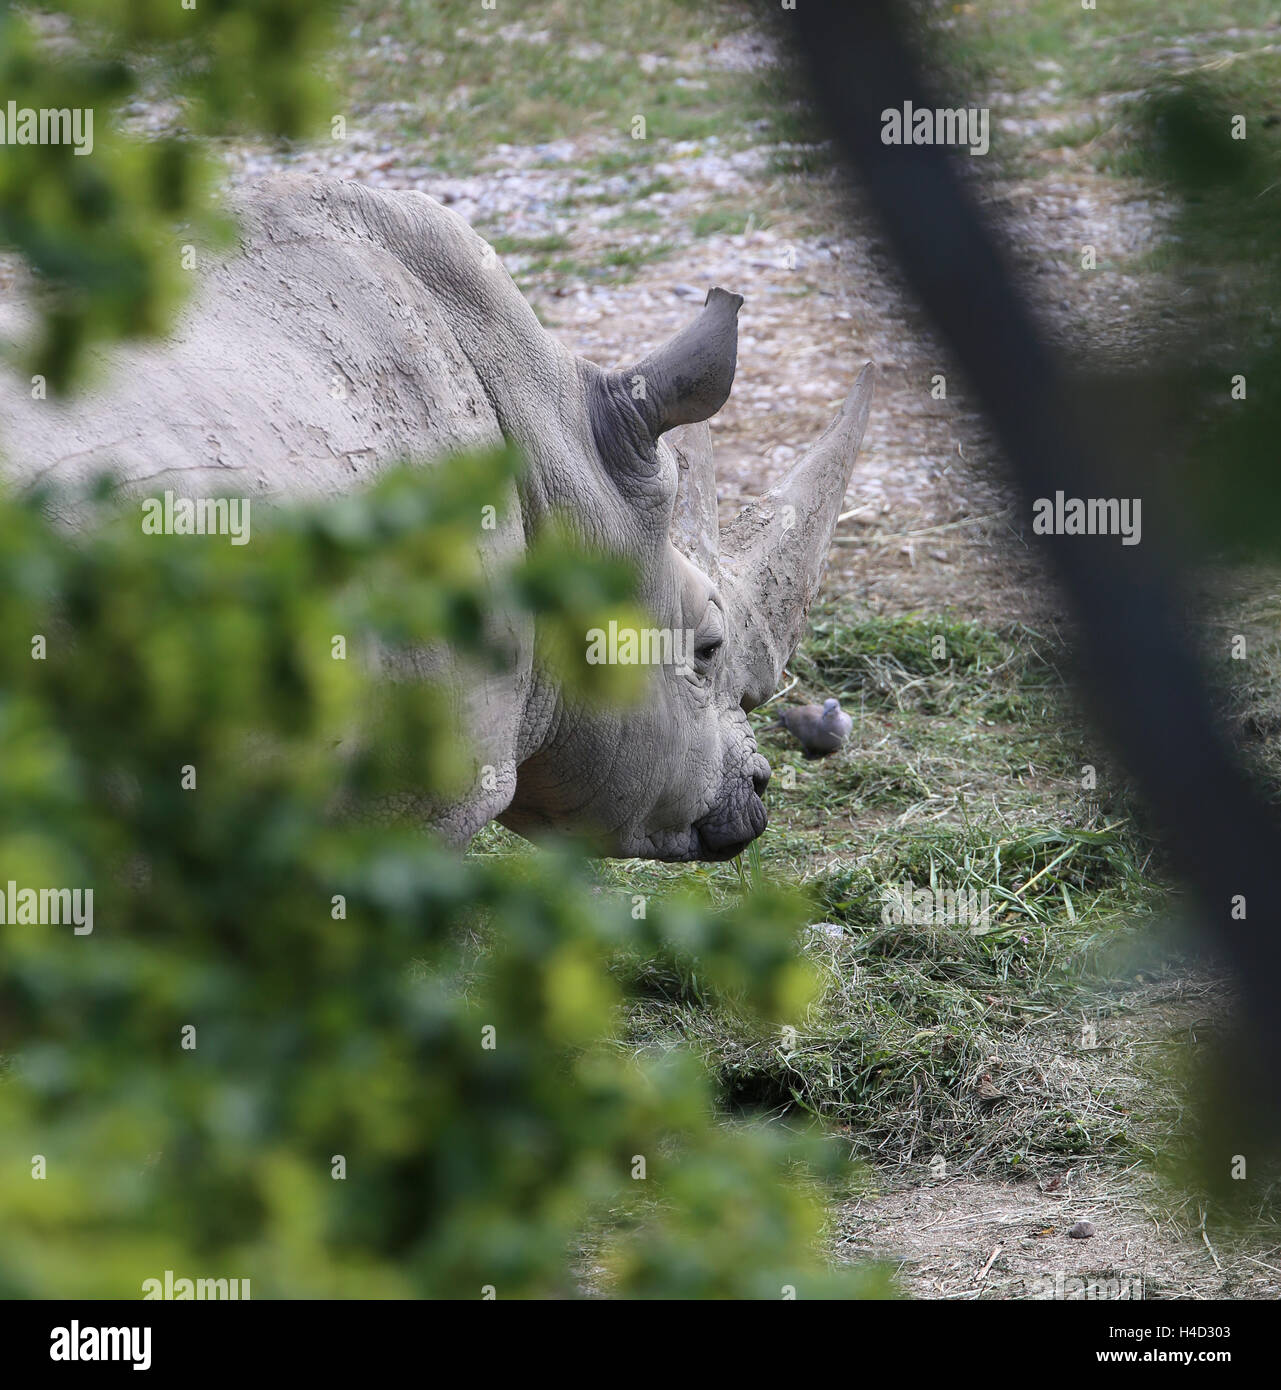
{"x": 356, "y": 328}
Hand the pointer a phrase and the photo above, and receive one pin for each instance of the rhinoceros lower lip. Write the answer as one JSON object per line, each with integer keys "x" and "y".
{"x": 718, "y": 844}
{"x": 722, "y": 852}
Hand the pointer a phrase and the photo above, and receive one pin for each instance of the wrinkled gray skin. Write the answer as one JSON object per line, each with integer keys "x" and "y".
{"x": 357, "y": 328}
{"x": 819, "y": 729}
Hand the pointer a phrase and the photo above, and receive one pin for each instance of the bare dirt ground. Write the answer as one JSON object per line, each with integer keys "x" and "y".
{"x": 968, "y": 1239}
{"x": 948, "y": 1233}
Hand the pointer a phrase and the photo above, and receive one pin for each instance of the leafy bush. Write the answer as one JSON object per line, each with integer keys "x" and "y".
{"x": 106, "y": 229}
{"x": 303, "y": 1046}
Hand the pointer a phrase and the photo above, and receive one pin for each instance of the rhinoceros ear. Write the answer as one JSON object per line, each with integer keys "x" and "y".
{"x": 775, "y": 550}
{"x": 688, "y": 379}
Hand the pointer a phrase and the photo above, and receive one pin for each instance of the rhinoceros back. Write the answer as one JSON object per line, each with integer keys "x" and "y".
{"x": 353, "y": 329}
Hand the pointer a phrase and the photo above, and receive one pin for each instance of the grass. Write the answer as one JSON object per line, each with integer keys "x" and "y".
{"x": 1060, "y": 1029}
{"x": 1090, "y": 52}
{"x": 914, "y": 1018}
{"x": 619, "y": 265}
{"x": 1097, "y": 64}
{"x": 558, "y": 71}
{"x": 717, "y": 220}
{"x": 640, "y": 218}
{"x": 524, "y": 246}
{"x": 932, "y": 792}
{"x": 529, "y": 257}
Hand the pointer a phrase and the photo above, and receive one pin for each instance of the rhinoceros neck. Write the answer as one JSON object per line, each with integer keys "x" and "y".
{"x": 523, "y": 373}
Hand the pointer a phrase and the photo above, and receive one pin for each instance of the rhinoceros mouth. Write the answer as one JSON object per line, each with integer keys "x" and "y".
{"x": 718, "y": 836}
{"x": 720, "y": 853}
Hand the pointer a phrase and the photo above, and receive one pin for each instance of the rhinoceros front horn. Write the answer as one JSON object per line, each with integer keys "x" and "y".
{"x": 774, "y": 552}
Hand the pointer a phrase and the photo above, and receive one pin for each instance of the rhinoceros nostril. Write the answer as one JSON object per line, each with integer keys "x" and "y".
{"x": 761, "y": 776}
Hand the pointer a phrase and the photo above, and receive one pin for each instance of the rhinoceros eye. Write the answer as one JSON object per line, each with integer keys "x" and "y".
{"x": 711, "y": 636}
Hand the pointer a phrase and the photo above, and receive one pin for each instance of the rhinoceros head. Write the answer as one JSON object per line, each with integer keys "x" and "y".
{"x": 678, "y": 776}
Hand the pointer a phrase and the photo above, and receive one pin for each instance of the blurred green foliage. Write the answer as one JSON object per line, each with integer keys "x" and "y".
{"x": 322, "y": 1031}
{"x": 105, "y": 230}
{"x": 1213, "y": 149}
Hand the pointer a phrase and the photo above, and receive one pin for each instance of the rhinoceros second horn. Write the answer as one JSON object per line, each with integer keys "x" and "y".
{"x": 772, "y": 556}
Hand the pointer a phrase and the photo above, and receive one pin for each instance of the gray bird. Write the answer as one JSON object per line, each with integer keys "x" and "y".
{"x": 819, "y": 729}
